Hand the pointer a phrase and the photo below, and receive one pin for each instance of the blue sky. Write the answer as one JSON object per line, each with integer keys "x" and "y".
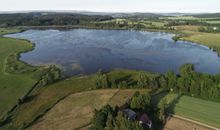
{"x": 113, "y": 5}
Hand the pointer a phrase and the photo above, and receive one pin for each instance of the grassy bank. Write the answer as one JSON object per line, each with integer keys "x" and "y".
{"x": 16, "y": 77}
{"x": 9, "y": 30}
{"x": 14, "y": 85}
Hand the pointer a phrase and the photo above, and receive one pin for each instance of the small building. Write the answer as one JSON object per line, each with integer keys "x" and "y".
{"x": 130, "y": 114}
{"x": 144, "y": 120}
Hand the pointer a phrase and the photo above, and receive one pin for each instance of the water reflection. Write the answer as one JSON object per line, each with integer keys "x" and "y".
{"x": 86, "y": 51}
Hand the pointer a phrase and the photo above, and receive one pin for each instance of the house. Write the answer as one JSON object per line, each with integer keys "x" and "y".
{"x": 130, "y": 114}
{"x": 144, "y": 120}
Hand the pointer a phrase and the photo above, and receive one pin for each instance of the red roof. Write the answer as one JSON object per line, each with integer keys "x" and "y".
{"x": 144, "y": 119}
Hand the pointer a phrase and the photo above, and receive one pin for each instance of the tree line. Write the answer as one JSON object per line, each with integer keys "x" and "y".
{"x": 46, "y": 19}
{"x": 187, "y": 82}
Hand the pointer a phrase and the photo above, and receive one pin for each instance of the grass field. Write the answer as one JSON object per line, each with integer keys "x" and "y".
{"x": 76, "y": 110}
{"x": 191, "y": 33}
{"x": 46, "y": 97}
{"x": 188, "y": 18}
{"x": 12, "y": 86}
{"x": 200, "y": 110}
{"x": 206, "y": 112}
{"x": 207, "y": 39}
{"x": 8, "y": 30}
{"x": 174, "y": 123}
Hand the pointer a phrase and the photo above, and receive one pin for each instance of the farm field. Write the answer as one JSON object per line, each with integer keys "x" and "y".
{"x": 76, "y": 110}
{"x": 203, "y": 111}
{"x": 199, "y": 110}
{"x": 174, "y": 123}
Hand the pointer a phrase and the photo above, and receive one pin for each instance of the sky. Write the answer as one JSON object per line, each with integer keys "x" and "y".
{"x": 160, "y": 6}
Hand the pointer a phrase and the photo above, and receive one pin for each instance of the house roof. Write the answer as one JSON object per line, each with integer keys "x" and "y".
{"x": 144, "y": 119}
{"x": 130, "y": 113}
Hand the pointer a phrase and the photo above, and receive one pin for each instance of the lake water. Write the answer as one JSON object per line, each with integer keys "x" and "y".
{"x": 86, "y": 51}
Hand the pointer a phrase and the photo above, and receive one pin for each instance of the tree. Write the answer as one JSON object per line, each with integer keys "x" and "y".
{"x": 163, "y": 82}
{"x": 110, "y": 122}
{"x": 162, "y": 109}
{"x": 171, "y": 80}
{"x": 183, "y": 84}
{"x": 113, "y": 84}
{"x": 140, "y": 101}
{"x": 99, "y": 120}
{"x": 122, "y": 123}
{"x": 143, "y": 80}
{"x": 122, "y": 84}
{"x": 101, "y": 80}
{"x": 186, "y": 69}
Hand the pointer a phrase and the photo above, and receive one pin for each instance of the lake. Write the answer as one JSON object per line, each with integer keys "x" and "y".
{"x": 84, "y": 51}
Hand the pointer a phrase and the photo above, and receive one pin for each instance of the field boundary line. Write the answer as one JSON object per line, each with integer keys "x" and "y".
{"x": 118, "y": 90}
{"x": 193, "y": 121}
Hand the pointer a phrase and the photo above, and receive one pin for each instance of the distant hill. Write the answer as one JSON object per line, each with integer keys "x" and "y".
{"x": 207, "y": 15}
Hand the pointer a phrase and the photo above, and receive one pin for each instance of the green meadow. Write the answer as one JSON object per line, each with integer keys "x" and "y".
{"x": 203, "y": 111}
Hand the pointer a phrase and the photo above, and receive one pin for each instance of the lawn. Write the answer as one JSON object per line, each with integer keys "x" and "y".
{"x": 204, "y": 111}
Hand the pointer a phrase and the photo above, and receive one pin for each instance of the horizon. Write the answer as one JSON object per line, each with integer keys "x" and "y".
{"x": 107, "y": 12}
{"x": 113, "y": 6}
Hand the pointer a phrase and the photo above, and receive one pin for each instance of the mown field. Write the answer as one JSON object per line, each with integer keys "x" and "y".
{"x": 203, "y": 111}
{"x": 174, "y": 123}
{"x": 76, "y": 110}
